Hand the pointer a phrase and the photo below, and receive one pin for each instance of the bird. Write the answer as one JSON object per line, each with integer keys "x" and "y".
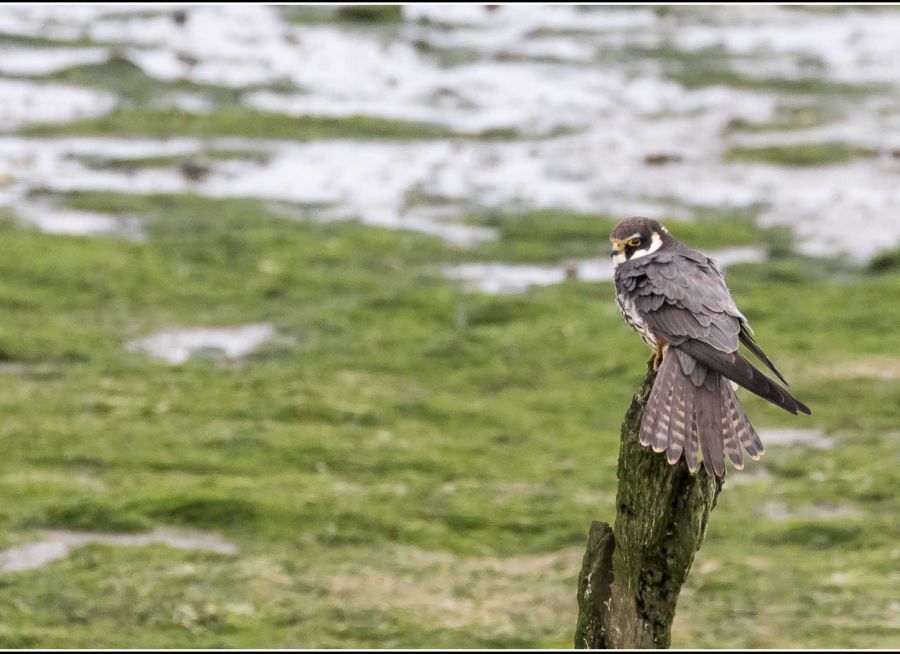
{"x": 676, "y": 298}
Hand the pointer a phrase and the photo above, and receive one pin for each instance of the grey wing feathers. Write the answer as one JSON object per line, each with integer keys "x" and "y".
{"x": 692, "y": 409}
{"x": 685, "y": 297}
{"x": 736, "y": 368}
{"x": 698, "y": 316}
{"x": 681, "y": 325}
{"x": 750, "y": 343}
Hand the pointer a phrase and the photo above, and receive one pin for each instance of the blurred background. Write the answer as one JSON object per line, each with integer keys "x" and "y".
{"x": 307, "y": 331}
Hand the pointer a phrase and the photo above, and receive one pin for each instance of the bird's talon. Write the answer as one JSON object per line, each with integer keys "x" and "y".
{"x": 658, "y": 353}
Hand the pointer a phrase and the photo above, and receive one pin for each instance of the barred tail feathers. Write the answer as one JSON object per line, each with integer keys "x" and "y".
{"x": 683, "y": 418}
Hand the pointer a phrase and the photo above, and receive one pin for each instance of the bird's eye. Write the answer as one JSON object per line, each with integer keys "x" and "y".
{"x": 634, "y": 242}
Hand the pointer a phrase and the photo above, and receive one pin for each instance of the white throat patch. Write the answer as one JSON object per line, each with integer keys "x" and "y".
{"x": 655, "y": 244}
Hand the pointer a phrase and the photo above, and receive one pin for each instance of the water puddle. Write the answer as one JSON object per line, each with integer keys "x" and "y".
{"x": 590, "y": 124}
{"x": 23, "y": 102}
{"x": 787, "y": 437}
{"x": 54, "y": 220}
{"x": 515, "y": 278}
{"x": 58, "y": 544}
{"x": 176, "y": 346}
{"x": 44, "y": 61}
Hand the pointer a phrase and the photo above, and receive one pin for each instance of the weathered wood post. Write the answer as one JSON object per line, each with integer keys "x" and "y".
{"x": 632, "y": 573}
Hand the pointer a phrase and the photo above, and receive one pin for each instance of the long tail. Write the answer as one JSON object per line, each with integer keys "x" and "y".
{"x": 736, "y": 368}
{"x": 693, "y": 414}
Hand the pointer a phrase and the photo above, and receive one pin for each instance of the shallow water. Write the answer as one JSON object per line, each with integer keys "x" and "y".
{"x": 52, "y": 219}
{"x": 812, "y": 438}
{"x": 59, "y": 544}
{"x": 511, "y": 278}
{"x": 633, "y": 139}
{"x": 176, "y": 346}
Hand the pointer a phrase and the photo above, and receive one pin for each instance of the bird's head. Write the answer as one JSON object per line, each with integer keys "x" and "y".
{"x": 636, "y": 237}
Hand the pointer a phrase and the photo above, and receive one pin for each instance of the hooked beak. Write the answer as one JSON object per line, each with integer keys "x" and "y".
{"x": 616, "y": 248}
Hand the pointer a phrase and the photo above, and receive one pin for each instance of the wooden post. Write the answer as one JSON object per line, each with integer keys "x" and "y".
{"x": 632, "y": 574}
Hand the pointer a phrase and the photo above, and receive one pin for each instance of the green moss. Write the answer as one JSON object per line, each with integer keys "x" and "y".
{"x": 119, "y": 75}
{"x": 211, "y": 513}
{"x": 804, "y": 154}
{"x": 843, "y": 9}
{"x": 93, "y": 516}
{"x": 814, "y": 535}
{"x": 885, "y": 262}
{"x": 406, "y": 443}
{"x": 558, "y": 235}
{"x": 307, "y": 14}
{"x": 236, "y": 121}
{"x": 790, "y": 117}
{"x": 715, "y": 67}
{"x": 371, "y": 13}
{"x": 95, "y": 162}
{"x": 358, "y": 14}
{"x": 447, "y": 56}
{"x": 9, "y": 39}
{"x": 407, "y": 453}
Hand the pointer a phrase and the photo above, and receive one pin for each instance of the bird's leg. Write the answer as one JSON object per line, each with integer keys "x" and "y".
{"x": 659, "y": 351}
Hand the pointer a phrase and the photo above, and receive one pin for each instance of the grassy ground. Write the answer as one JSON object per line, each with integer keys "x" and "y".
{"x": 410, "y": 466}
{"x": 236, "y": 121}
{"x": 716, "y": 67}
{"x": 806, "y": 154}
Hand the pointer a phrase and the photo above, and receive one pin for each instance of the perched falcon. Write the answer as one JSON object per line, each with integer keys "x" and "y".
{"x": 676, "y": 298}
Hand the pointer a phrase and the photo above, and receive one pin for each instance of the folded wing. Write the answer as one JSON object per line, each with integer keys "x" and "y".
{"x": 684, "y": 300}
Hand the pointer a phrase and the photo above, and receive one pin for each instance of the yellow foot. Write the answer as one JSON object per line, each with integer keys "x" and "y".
{"x": 659, "y": 353}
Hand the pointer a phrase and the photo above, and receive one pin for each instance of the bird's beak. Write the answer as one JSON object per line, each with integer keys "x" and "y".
{"x": 616, "y": 248}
